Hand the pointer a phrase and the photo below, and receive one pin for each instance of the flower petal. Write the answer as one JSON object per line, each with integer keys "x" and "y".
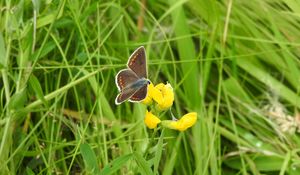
{"x": 151, "y": 120}
{"x": 167, "y": 96}
{"x": 148, "y": 100}
{"x": 157, "y": 95}
{"x": 187, "y": 121}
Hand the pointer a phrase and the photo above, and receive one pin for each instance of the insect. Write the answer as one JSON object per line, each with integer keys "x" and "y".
{"x": 132, "y": 82}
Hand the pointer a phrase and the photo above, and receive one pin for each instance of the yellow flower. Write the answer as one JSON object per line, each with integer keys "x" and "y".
{"x": 151, "y": 90}
{"x": 151, "y": 120}
{"x": 162, "y": 94}
{"x": 165, "y": 100}
{"x": 187, "y": 121}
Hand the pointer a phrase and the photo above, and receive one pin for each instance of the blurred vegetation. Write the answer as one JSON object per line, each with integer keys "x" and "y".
{"x": 235, "y": 63}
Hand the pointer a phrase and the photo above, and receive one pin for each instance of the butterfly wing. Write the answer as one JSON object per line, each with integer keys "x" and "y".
{"x": 124, "y": 78}
{"x": 131, "y": 82}
{"x": 123, "y": 96}
{"x": 140, "y": 94}
{"x": 137, "y": 62}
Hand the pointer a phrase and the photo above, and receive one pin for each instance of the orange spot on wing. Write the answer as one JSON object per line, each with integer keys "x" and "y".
{"x": 133, "y": 59}
{"x": 121, "y": 82}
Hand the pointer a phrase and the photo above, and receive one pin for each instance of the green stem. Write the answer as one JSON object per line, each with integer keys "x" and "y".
{"x": 6, "y": 132}
{"x": 8, "y": 117}
{"x": 150, "y": 143}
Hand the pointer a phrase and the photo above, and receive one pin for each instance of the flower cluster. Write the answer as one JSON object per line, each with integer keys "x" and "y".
{"x": 161, "y": 98}
{"x": 162, "y": 94}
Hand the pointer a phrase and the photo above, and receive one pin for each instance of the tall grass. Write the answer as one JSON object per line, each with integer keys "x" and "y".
{"x": 235, "y": 63}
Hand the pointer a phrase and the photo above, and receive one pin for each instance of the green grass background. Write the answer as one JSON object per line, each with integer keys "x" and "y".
{"x": 234, "y": 62}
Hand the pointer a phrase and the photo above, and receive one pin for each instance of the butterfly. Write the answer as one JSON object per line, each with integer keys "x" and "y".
{"x": 132, "y": 82}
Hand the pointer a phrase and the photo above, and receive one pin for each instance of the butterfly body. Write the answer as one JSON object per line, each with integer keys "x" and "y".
{"x": 132, "y": 82}
{"x": 137, "y": 84}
